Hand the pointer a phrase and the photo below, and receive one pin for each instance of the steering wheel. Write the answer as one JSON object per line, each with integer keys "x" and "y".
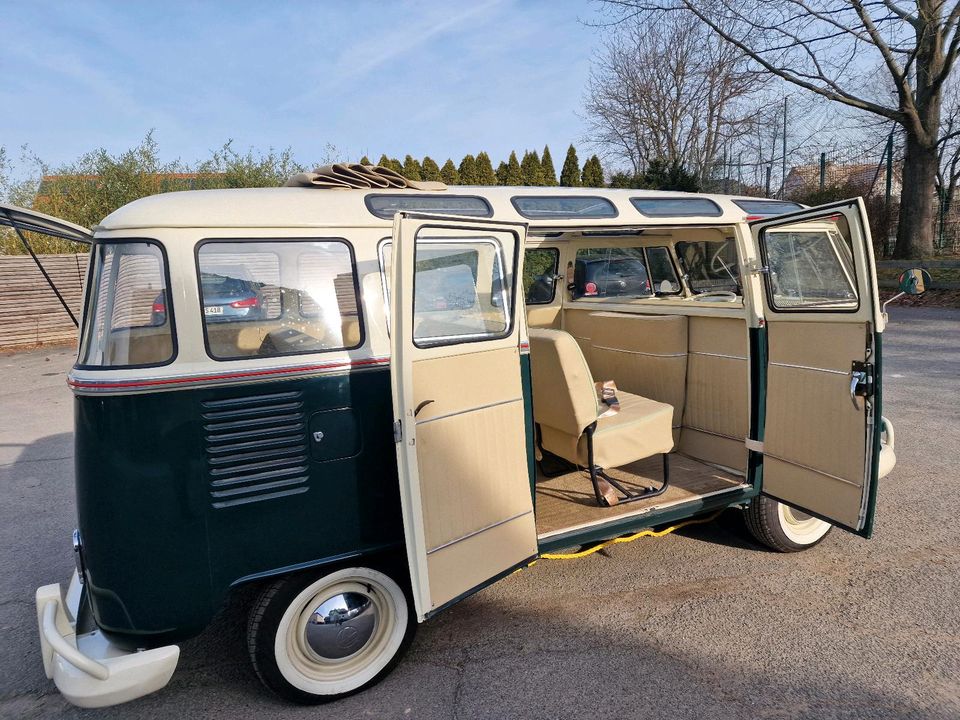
{"x": 717, "y": 264}
{"x": 725, "y": 295}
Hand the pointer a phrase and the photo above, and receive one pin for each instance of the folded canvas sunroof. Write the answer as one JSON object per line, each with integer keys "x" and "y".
{"x": 540, "y": 207}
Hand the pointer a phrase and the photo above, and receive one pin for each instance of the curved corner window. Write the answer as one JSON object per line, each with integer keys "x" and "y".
{"x": 563, "y": 207}
{"x": 763, "y": 208}
{"x": 676, "y": 207}
{"x": 386, "y": 206}
{"x": 270, "y": 298}
{"x": 129, "y": 320}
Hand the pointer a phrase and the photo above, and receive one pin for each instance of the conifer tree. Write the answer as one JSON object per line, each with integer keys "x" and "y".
{"x": 485, "y": 174}
{"x": 395, "y": 165}
{"x": 384, "y": 161}
{"x": 532, "y": 169}
{"x": 570, "y": 174}
{"x": 411, "y": 168}
{"x": 430, "y": 170}
{"x": 468, "y": 170}
{"x": 365, "y": 161}
{"x": 548, "y": 172}
{"x": 449, "y": 173}
{"x": 514, "y": 175}
{"x": 502, "y": 171}
{"x": 593, "y": 173}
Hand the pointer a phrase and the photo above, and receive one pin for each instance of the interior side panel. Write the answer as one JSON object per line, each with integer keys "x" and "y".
{"x": 543, "y": 316}
{"x": 579, "y": 324}
{"x": 716, "y": 414}
{"x": 815, "y": 445}
{"x": 477, "y": 518}
{"x": 644, "y": 354}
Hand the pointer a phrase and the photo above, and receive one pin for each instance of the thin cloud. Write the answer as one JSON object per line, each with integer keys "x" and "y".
{"x": 364, "y": 57}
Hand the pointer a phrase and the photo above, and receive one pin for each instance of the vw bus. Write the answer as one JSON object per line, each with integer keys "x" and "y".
{"x": 374, "y": 402}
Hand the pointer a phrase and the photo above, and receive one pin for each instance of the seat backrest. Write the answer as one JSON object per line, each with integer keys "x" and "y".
{"x": 564, "y": 395}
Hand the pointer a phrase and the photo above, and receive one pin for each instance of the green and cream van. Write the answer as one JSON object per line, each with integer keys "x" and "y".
{"x": 429, "y": 388}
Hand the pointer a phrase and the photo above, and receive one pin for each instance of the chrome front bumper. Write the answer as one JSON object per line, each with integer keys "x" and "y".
{"x": 88, "y": 669}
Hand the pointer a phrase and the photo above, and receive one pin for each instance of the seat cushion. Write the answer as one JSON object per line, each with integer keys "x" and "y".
{"x": 642, "y": 428}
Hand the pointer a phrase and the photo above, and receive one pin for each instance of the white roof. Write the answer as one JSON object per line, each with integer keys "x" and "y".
{"x": 314, "y": 207}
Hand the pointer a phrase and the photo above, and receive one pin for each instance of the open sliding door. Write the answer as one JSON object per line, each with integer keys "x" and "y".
{"x": 458, "y": 401}
{"x": 823, "y": 383}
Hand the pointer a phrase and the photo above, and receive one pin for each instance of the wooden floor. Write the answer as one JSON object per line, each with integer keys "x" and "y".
{"x": 567, "y": 502}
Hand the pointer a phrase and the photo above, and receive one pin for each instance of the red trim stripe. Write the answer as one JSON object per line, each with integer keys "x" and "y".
{"x": 160, "y": 382}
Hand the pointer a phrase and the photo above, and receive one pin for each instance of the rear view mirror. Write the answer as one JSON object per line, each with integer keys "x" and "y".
{"x": 914, "y": 281}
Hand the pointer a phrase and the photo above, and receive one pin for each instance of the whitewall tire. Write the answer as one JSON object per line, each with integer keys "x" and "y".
{"x": 316, "y": 639}
{"x": 783, "y": 528}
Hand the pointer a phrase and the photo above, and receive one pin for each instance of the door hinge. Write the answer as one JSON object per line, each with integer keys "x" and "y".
{"x": 755, "y": 267}
{"x": 397, "y": 431}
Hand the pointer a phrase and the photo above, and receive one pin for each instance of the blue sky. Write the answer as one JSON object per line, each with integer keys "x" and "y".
{"x": 437, "y": 78}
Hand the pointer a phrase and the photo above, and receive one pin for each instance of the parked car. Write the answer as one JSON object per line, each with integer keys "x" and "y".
{"x": 604, "y": 276}
{"x": 228, "y": 295}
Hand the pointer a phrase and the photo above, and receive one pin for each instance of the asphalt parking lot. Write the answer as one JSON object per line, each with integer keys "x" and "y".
{"x": 699, "y": 624}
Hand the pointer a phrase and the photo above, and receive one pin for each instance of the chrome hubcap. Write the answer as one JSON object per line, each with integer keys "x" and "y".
{"x": 341, "y": 625}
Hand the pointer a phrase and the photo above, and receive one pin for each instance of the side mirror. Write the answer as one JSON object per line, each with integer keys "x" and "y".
{"x": 914, "y": 281}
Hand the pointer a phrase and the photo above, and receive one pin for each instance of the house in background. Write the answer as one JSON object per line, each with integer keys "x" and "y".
{"x": 867, "y": 179}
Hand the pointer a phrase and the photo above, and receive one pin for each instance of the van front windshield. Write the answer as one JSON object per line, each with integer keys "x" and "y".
{"x": 128, "y": 315}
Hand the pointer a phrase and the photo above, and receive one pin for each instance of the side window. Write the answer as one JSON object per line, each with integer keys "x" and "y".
{"x": 460, "y": 291}
{"x": 810, "y": 266}
{"x": 270, "y": 298}
{"x": 539, "y": 273}
{"x": 663, "y": 275}
{"x": 710, "y": 266}
{"x": 610, "y": 272}
{"x": 129, "y": 315}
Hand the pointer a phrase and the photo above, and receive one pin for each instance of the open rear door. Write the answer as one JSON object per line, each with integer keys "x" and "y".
{"x": 823, "y": 374}
{"x": 458, "y": 399}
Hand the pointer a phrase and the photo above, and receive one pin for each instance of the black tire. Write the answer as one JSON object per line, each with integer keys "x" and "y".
{"x": 781, "y": 528}
{"x": 293, "y": 669}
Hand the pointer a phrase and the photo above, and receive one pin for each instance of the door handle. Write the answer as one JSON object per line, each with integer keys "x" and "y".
{"x": 421, "y": 406}
{"x": 857, "y": 379}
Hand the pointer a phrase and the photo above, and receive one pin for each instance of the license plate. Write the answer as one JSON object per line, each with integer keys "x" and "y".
{"x": 213, "y": 310}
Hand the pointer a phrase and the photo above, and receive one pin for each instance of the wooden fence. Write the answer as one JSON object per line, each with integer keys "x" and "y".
{"x": 30, "y": 313}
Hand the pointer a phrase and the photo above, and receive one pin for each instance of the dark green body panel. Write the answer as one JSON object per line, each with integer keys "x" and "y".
{"x": 161, "y": 558}
{"x": 867, "y": 530}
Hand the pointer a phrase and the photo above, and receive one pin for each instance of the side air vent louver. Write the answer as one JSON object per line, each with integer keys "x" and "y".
{"x": 256, "y": 448}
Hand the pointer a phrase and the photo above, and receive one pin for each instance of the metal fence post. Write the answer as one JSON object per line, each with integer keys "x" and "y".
{"x": 823, "y": 170}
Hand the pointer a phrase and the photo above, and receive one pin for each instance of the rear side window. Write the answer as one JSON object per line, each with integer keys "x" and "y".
{"x": 270, "y": 298}
{"x": 539, "y": 275}
{"x": 610, "y": 272}
{"x": 129, "y": 318}
{"x": 710, "y": 265}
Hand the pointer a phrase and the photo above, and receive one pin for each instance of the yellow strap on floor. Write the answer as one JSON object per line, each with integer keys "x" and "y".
{"x": 627, "y": 538}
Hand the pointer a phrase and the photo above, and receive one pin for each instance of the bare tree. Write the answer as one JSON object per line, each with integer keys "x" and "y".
{"x": 824, "y": 46}
{"x": 667, "y": 90}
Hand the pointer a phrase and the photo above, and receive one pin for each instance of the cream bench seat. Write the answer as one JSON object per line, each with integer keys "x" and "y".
{"x": 568, "y": 413}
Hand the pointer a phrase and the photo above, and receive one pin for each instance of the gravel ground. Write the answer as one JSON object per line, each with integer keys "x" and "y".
{"x": 699, "y": 624}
